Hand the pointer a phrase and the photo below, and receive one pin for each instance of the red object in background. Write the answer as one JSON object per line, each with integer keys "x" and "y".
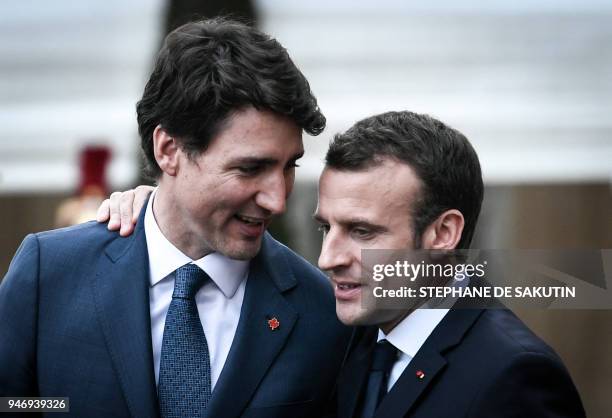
{"x": 93, "y": 164}
{"x": 92, "y": 189}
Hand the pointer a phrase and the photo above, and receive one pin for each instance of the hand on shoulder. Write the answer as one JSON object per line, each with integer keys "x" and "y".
{"x": 121, "y": 209}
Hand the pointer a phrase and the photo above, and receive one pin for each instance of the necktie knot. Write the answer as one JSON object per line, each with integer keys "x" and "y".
{"x": 189, "y": 279}
{"x": 384, "y": 356}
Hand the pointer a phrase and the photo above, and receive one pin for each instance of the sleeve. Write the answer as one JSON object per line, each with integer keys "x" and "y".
{"x": 531, "y": 385}
{"x": 18, "y": 322}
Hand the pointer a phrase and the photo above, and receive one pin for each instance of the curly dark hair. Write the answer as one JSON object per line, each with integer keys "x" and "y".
{"x": 441, "y": 156}
{"x": 208, "y": 69}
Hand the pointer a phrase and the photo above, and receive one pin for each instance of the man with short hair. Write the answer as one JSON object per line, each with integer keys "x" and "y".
{"x": 199, "y": 312}
{"x": 402, "y": 180}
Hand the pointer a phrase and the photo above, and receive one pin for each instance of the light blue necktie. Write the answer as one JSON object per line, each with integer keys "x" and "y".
{"x": 184, "y": 373}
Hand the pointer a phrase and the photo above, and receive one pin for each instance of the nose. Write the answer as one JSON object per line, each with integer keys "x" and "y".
{"x": 273, "y": 195}
{"x": 334, "y": 253}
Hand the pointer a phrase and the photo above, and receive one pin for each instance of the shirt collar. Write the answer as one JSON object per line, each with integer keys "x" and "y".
{"x": 165, "y": 258}
{"x": 410, "y": 334}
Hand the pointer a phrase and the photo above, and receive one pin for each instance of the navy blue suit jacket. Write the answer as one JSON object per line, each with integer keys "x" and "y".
{"x": 74, "y": 321}
{"x": 477, "y": 364}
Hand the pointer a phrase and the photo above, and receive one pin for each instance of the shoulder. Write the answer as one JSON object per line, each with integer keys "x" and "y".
{"x": 496, "y": 344}
{"x": 516, "y": 367}
{"x": 81, "y": 232}
{"x": 496, "y": 338}
{"x": 509, "y": 334}
{"x": 92, "y": 233}
{"x": 53, "y": 257}
{"x": 60, "y": 247}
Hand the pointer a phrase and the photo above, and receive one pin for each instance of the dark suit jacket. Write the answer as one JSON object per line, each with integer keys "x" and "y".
{"x": 477, "y": 363}
{"x": 74, "y": 321}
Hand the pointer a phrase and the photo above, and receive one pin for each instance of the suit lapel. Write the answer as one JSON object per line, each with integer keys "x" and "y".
{"x": 429, "y": 360}
{"x": 121, "y": 294}
{"x": 256, "y": 345}
{"x": 409, "y": 387}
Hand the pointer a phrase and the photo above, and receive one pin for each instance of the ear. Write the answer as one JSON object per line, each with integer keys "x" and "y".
{"x": 166, "y": 151}
{"x": 445, "y": 232}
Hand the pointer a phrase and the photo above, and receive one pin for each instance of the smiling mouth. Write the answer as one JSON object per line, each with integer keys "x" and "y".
{"x": 249, "y": 220}
{"x": 347, "y": 292}
{"x": 348, "y": 286}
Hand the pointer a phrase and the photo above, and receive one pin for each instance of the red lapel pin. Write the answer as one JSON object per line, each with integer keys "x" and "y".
{"x": 420, "y": 374}
{"x": 273, "y": 323}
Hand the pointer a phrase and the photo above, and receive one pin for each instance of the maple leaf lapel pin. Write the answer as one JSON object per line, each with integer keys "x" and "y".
{"x": 273, "y": 323}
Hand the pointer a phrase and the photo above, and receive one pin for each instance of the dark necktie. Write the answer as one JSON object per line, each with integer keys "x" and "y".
{"x": 184, "y": 373}
{"x": 383, "y": 357}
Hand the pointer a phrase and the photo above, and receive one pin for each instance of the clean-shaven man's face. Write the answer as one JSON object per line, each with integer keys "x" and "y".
{"x": 226, "y": 196}
{"x": 367, "y": 209}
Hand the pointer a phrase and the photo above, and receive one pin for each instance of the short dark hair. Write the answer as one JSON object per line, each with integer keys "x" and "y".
{"x": 208, "y": 69}
{"x": 441, "y": 156}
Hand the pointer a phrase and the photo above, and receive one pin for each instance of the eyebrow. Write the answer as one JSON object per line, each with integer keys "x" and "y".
{"x": 352, "y": 222}
{"x": 318, "y": 218}
{"x": 254, "y": 160}
{"x": 265, "y": 161}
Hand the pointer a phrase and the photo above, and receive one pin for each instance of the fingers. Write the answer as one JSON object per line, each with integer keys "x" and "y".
{"x": 115, "y": 218}
{"x": 126, "y": 201}
{"x": 103, "y": 211}
{"x": 140, "y": 198}
{"x": 121, "y": 209}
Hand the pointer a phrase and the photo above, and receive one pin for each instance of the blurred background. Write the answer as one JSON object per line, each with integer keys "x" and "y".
{"x": 528, "y": 81}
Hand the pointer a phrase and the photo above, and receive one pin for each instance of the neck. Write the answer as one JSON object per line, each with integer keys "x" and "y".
{"x": 175, "y": 226}
{"x": 387, "y": 327}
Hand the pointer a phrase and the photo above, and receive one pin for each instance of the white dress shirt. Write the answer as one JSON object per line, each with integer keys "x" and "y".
{"x": 408, "y": 336}
{"x": 219, "y": 302}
